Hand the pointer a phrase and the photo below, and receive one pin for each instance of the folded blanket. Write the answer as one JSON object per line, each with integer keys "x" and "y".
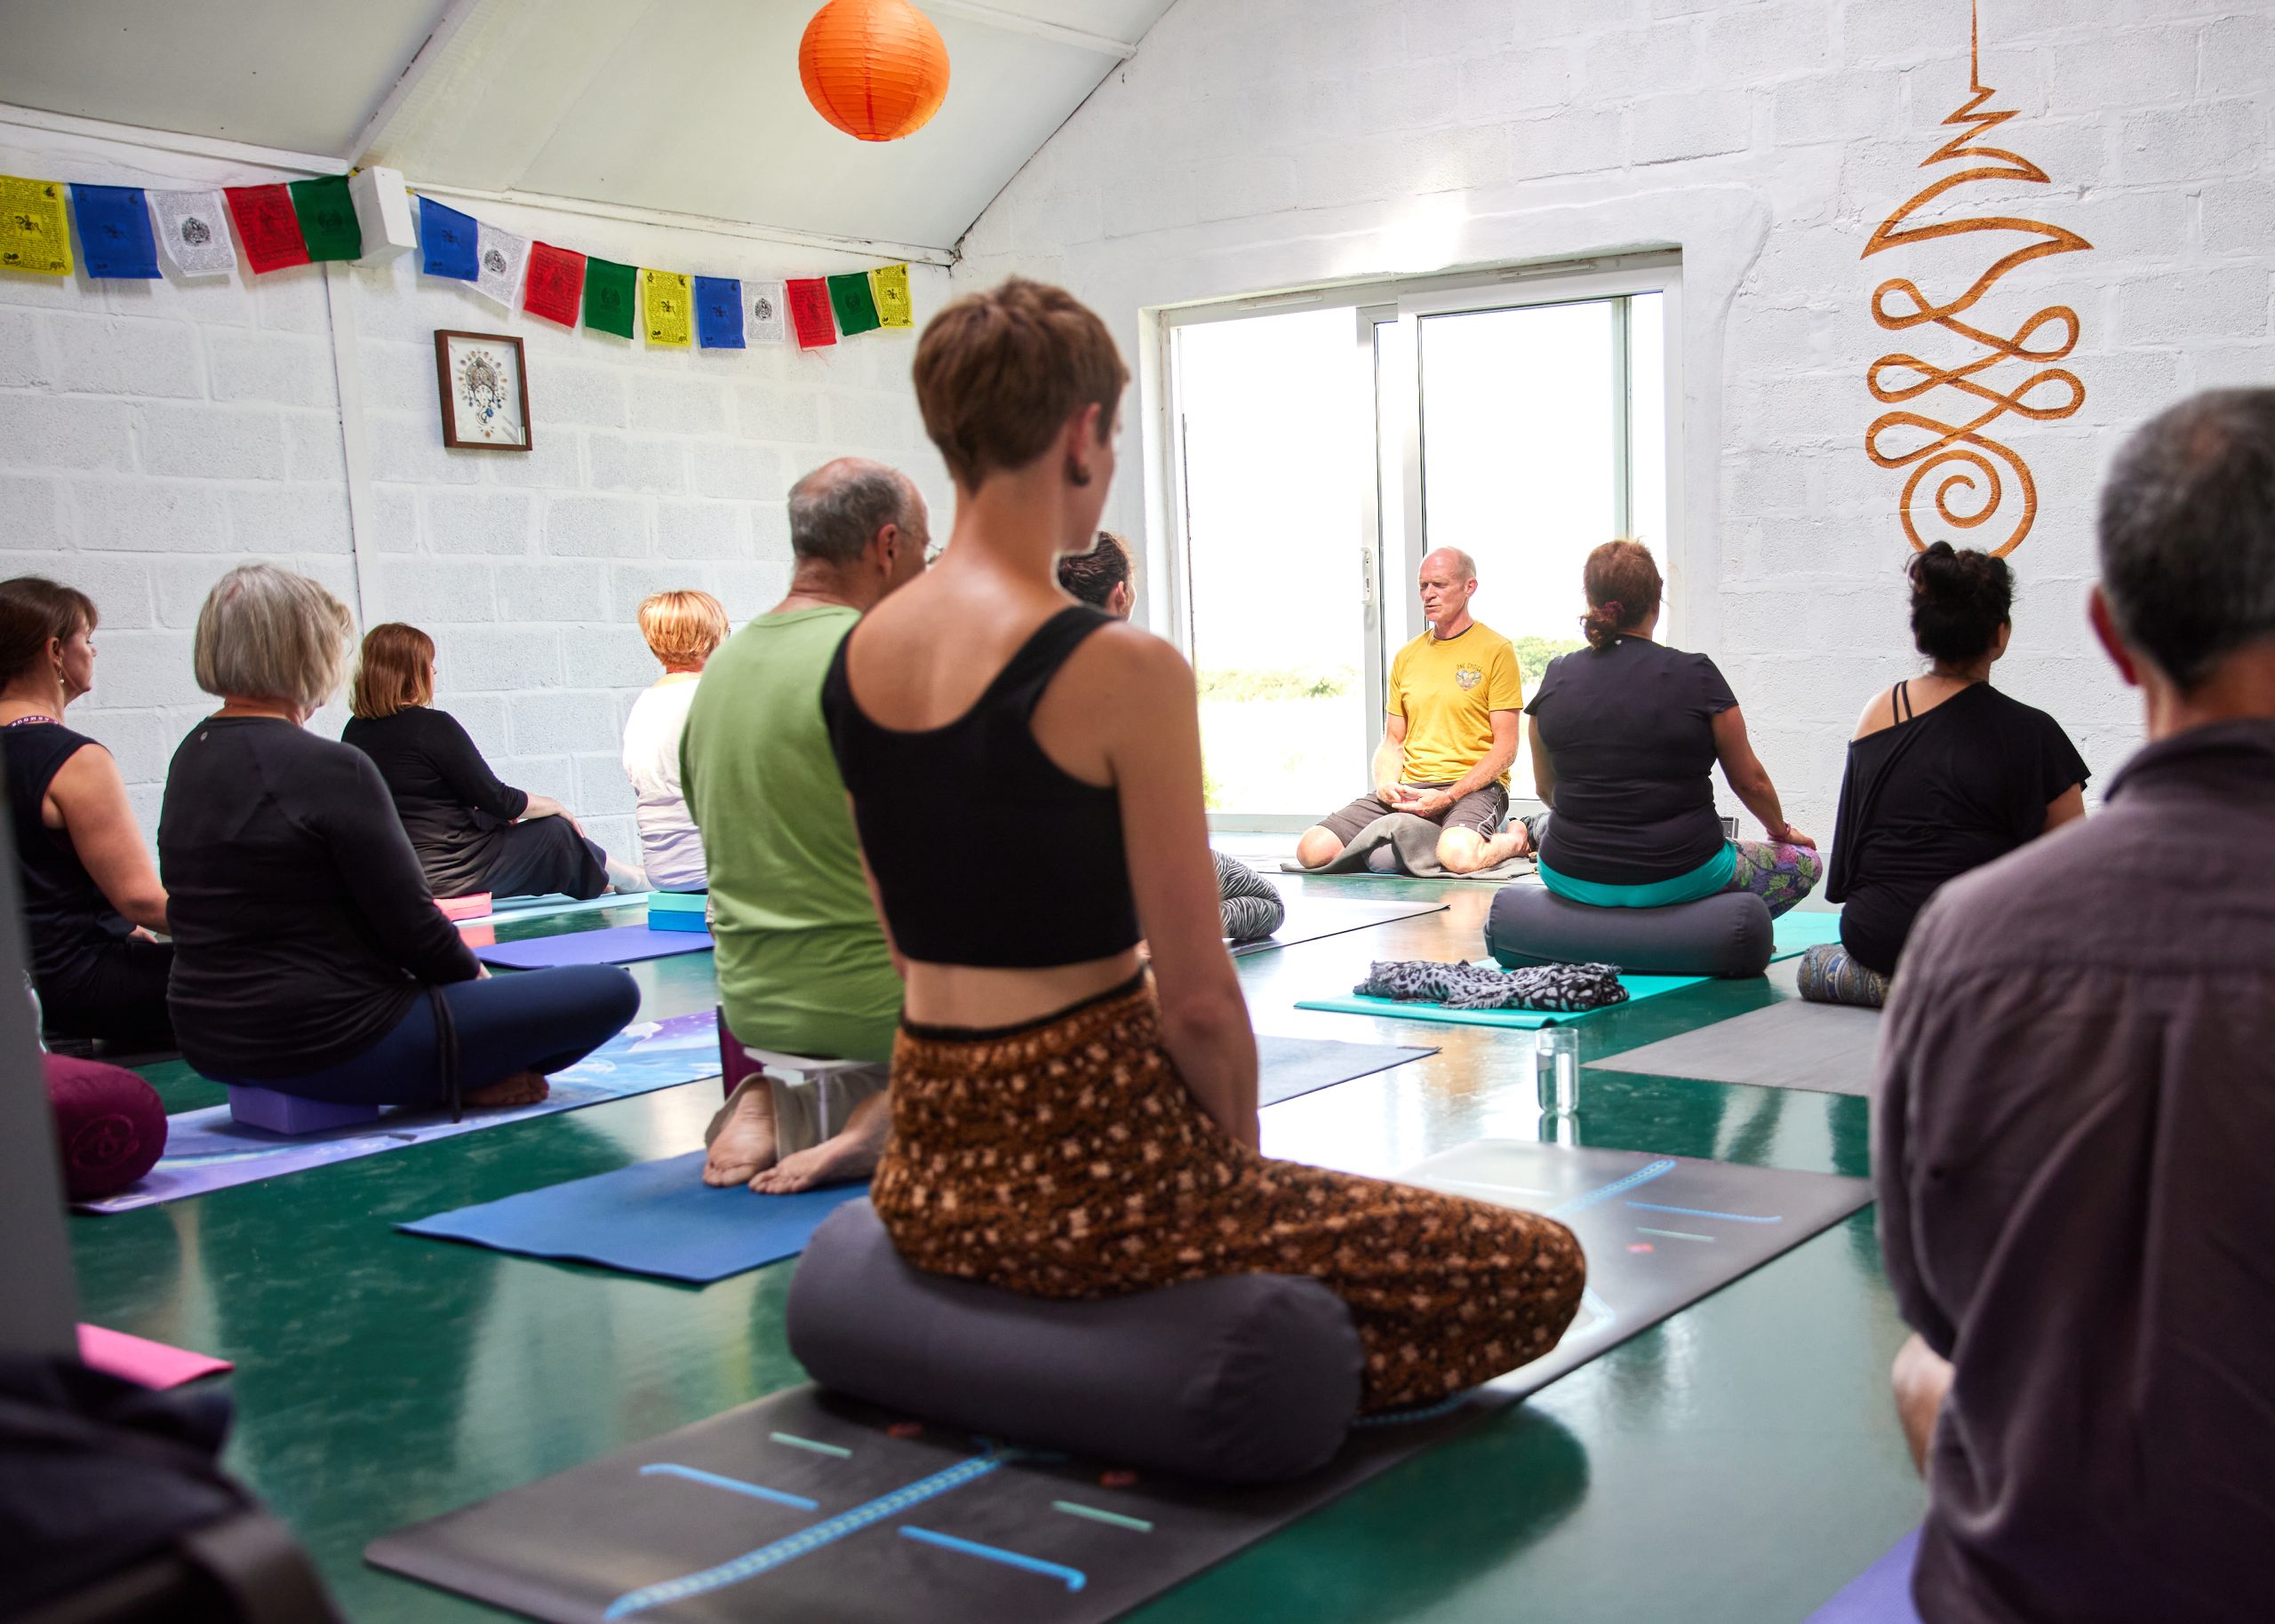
{"x": 1564, "y": 988}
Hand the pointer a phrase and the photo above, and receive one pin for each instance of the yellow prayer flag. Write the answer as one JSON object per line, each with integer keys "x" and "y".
{"x": 889, "y": 285}
{"x": 667, "y": 303}
{"x": 34, "y": 235}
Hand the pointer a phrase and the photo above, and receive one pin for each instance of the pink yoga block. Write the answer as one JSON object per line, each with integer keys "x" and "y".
{"x": 287, "y": 1113}
{"x": 464, "y": 907}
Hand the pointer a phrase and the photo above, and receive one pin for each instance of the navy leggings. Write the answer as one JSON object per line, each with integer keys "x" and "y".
{"x": 520, "y": 1021}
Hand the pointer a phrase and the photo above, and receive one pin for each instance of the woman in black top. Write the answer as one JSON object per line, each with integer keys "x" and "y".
{"x": 1945, "y": 774}
{"x": 309, "y": 957}
{"x": 1059, "y": 1127}
{"x": 472, "y": 833}
{"x": 90, "y": 894}
{"x": 1624, "y": 733}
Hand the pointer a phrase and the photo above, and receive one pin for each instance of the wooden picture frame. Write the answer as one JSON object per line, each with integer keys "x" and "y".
{"x": 484, "y": 388}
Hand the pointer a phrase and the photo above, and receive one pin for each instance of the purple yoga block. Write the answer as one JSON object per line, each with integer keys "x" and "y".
{"x": 287, "y": 1113}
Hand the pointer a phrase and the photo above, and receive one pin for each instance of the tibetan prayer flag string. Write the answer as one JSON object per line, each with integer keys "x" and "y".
{"x": 447, "y": 241}
{"x": 855, "y": 305}
{"x": 768, "y": 321}
{"x": 114, "y": 239}
{"x": 194, "y": 231}
{"x": 267, "y": 226}
{"x": 719, "y": 313}
{"x": 809, "y": 298}
{"x": 499, "y": 259}
{"x": 556, "y": 278}
{"x": 665, "y": 299}
{"x": 889, "y": 284}
{"x": 327, "y": 217}
{"x": 608, "y": 299}
{"x": 34, "y": 233}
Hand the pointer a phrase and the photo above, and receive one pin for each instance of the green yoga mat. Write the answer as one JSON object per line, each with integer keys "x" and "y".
{"x": 1797, "y": 933}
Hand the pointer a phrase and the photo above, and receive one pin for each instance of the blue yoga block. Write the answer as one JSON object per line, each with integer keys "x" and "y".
{"x": 677, "y": 911}
{"x": 287, "y": 1113}
{"x": 692, "y": 923}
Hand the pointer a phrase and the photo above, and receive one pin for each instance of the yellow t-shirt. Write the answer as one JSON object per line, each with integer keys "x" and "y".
{"x": 1448, "y": 692}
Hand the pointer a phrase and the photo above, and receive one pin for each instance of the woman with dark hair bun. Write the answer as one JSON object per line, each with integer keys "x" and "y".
{"x": 1945, "y": 774}
{"x": 88, "y": 881}
{"x": 1624, "y": 734}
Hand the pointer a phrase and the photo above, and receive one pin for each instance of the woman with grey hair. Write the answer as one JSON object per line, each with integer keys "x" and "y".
{"x": 309, "y": 957}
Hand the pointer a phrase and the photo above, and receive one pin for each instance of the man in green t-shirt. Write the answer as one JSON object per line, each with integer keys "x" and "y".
{"x": 803, "y": 964}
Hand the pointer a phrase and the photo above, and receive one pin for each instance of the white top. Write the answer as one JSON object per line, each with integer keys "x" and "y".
{"x": 671, "y": 846}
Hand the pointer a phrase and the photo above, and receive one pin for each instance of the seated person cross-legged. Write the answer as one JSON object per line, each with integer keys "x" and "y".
{"x": 472, "y": 833}
{"x": 309, "y": 959}
{"x": 1944, "y": 775}
{"x": 1059, "y": 1127}
{"x": 802, "y": 964}
{"x": 2074, "y": 1108}
{"x": 683, "y": 630}
{"x": 1624, "y": 733}
{"x": 1453, "y": 699}
{"x": 90, "y": 896}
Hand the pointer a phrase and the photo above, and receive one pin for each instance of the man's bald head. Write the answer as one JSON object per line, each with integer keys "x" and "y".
{"x": 1450, "y": 562}
{"x": 836, "y": 510}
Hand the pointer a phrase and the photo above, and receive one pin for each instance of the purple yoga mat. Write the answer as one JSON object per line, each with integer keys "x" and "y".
{"x": 1880, "y": 1595}
{"x": 621, "y": 944}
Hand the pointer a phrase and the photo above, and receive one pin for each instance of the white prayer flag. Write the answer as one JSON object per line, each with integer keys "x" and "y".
{"x": 499, "y": 259}
{"x": 194, "y": 229}
{"x": 768, "y": 313}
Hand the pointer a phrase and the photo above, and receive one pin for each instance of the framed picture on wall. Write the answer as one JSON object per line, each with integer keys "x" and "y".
{"x": 485, "y": 391}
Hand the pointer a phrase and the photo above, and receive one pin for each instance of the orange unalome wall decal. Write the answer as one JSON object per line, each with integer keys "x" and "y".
{"x": 1963, "y": 470}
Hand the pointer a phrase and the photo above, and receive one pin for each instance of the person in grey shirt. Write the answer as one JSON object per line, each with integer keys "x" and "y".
{"x": 2074, "y": 1112}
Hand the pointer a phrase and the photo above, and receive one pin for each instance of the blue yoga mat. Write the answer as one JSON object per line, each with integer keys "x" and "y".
{"x": 655, "y": 1218}
{"x": 619, "y": 944}
{"x": 1287, "y": 1067}
{"x": 1880, "y": 1595}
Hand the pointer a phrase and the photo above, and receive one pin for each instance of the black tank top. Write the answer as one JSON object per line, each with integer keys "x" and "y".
{"x": 985, "y": 851}
{"x": 64, "y": 912}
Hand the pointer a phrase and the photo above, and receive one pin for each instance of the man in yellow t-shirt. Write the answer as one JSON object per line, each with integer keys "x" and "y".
{"x": 1454, "y": 699}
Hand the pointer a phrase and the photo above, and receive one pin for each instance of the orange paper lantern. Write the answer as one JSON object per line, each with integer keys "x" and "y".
{"x": 875, "y": 68}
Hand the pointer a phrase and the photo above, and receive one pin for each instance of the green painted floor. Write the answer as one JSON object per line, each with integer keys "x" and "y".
{"x": 1738, "y": 1463}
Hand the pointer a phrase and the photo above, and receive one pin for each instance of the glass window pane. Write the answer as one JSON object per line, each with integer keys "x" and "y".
{"x": 1647, "y": 363}
{"x": 1275, "y": 450}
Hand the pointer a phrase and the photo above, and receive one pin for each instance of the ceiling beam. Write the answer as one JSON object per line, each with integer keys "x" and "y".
{"x": 1018, "y": 22}
{"x": 430, "y": 53}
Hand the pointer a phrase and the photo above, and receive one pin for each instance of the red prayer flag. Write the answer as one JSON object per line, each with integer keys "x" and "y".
{"x": 268, "y": 226}
{"x": 556, "y": 279}
{"x": 810, "y": 309}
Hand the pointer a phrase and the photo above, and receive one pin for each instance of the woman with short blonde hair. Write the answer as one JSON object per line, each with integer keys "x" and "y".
{"x": 683, "y": 630}
{"x": 310, "y": 958}
{"x": 473, "y": 832}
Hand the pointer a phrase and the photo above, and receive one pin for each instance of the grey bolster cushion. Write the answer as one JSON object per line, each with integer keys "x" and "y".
{"x": 1243, "y": 1379}
{"x": 1725, "y": 935}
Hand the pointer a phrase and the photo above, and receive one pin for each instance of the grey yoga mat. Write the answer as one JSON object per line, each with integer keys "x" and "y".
{"x": 1827, "y": 1047}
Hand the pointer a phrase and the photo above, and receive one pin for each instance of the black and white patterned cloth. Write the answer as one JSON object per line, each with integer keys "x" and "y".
{"x": 1251, "y": 904}
{"x": 1565, "y": 988}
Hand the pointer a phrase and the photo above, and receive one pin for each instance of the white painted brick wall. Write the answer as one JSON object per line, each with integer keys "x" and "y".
{"x": 154, "y": 435}
{"x": 1256, "y": 144}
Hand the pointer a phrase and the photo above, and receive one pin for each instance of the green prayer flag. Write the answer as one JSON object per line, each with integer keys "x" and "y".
{"x": 611, "y": 303}
{"x": 327, "y": 215}
{"x": 855, "y": 305}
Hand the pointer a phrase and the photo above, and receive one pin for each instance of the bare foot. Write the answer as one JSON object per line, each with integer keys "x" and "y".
{"x": 826, "y": 1163}
{"x": 522, "y": 1088}
{"x": 743, "y": 1145}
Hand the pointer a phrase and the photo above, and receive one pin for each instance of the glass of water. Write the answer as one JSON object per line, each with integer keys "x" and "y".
{"x": 1556, "y": 1057}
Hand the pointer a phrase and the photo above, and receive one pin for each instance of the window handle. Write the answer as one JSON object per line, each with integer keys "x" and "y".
{"x": 1367, "y": 577}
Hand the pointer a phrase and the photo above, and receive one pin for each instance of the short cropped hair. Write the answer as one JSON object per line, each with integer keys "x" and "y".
{"x": 2188, "y": 532}
{"x": 1091, "y": 577}
{"x": 1622, "y": 581}
{"x": 999, "y": 373}
{"x": 1959, "y": 599}
{"x": 34, "y": 609}
{"x": 682, "y": 628}
{"x": 268, "y": 634}
{"x": 837, "y": 510}
{"x": 396, "y": 671}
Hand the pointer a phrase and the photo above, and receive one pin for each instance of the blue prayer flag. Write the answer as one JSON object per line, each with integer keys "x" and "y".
{"x": 447, "y": 240}
{"x": 114, "y": 238}
{"x": 719, "y": 313}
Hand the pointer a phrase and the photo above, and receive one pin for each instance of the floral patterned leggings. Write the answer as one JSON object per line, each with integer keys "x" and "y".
{"x": 1780, "y": 875}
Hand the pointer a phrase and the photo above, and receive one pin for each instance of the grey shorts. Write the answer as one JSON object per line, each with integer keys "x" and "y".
{"x": 1480, "y": 809}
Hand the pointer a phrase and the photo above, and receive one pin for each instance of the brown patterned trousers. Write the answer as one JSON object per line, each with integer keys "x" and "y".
{"x": 1067, "y": 1158}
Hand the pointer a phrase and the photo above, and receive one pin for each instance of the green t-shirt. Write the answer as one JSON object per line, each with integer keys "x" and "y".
{"x": 802, "y": 960}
